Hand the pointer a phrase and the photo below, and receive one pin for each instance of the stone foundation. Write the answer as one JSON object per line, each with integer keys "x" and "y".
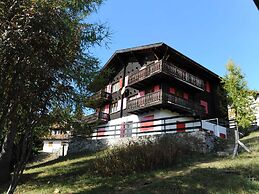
{"x": 202, "y": 142}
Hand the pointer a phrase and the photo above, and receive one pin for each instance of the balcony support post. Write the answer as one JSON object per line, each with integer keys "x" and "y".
{"x": 123, "y": 84}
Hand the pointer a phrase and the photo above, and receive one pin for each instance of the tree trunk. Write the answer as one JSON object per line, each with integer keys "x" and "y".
{"x": 235, "y": 151}
{"x": 24, "y": 150}
{"x": 6, "y": 156}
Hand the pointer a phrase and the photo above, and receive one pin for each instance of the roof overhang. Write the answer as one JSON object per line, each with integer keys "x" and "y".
{"x": 164, "y": 48}
{"x": 257, "y": 3}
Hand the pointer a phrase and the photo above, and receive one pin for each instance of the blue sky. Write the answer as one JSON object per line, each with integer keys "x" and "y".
{"x": 209, "y": 32}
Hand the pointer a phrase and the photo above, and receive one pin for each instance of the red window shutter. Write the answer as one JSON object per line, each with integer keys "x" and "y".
{"x": 100, "y": 132}
{"x": 156, "y": 88}
{"x": 107, "y": 108}
{"x": 146, "y": 125}
{"x": 186, "y": 96}
{"x": 141, "y": 93}
{"x": 120, "y": 83}
{"x": 172, "y": 90}
{"x": 207, "y": 86}
{"x": 180, "y": 127}
{"x": 205, "y": 104}
{"x": 122, "y": 130}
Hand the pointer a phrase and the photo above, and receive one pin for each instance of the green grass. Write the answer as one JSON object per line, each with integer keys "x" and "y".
{"x": 202, "y": 174}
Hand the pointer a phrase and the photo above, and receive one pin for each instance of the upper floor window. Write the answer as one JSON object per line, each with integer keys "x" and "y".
{"x": 115, "y": 87}
{"x": 115, "y": 107}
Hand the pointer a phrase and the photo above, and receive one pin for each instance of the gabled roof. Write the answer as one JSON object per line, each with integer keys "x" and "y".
{"x": 132, "y": 49}
{"x": 156, "y": 46}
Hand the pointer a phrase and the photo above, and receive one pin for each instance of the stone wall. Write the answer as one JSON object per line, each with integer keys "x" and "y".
{"x": 201, "y": 141}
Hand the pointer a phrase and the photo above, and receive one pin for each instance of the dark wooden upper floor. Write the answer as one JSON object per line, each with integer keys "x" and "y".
{"x": 161, "y": 70}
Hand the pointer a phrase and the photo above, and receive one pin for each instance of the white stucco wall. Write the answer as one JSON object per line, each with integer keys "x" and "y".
{"x": 57, "y": 146}
{"x": 162, "y": 113}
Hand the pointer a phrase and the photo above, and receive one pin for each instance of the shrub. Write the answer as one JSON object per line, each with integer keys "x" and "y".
{"x": 145, "y": 155}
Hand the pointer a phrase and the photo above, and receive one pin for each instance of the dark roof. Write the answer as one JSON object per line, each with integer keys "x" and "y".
{"x": 159, "y": 45}
{"x": 257, "y": 3}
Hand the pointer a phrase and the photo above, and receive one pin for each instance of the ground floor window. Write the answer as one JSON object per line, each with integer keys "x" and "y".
{"x": 50, "y": 144}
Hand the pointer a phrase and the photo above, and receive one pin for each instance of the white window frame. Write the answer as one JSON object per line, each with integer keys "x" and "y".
{"x": 115, "y": 87}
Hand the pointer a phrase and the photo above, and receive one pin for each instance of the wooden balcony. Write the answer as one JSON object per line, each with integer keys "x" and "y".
{"x": 162, "y": 99}
{"x": 97, "y": 118}
{"x": 98, "y": 99}
{"x": 163, "y": 69}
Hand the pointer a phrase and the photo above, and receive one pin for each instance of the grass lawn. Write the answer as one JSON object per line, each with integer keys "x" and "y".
{"x": 202, "y": 174}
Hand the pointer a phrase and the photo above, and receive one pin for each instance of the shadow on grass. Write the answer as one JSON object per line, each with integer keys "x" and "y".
{"x": 73, "y": 173}
{"x": 61, "y": 159}
{"x": 241, "y": 179}
{"x": 202, "y": 181}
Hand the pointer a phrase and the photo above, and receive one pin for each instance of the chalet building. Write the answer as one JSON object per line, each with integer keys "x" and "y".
{"x": 152, "y": 82}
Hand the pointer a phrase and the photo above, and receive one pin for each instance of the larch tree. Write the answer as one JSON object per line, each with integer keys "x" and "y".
{"x": 45, "y": 59}
{"x": 240, "y": 100}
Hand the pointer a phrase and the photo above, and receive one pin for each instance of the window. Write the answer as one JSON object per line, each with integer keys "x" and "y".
{"x": 205, "y": 105}
{"x": 186, "y": 96}
{"x": 115, "y": 107}
{"x": 207, "y": 86}
{"x": 172, "y": 90}
{"x": 115, "y": 87}
{"x": 50, "y": 144}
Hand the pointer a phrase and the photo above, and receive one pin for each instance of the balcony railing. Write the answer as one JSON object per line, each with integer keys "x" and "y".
{"x": 98, "y": 117}
{"x": 166, "y": 68}
{"x": 145, "y": 101}
{"x": 98, "y": 99}
{"x": 163, "y": 98}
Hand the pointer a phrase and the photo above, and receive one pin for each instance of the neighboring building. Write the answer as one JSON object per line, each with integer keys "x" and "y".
{"x": 57, "y": 142}
{"x": 153, "y": 82}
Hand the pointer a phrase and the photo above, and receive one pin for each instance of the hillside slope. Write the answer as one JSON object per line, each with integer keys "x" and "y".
{"x": 204, "y": 174}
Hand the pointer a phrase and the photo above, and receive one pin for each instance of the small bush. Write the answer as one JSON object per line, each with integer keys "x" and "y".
{"x": 146, "y": 155}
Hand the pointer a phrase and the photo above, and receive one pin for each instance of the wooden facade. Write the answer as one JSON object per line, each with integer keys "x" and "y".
{"x": 157, "y": 76}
